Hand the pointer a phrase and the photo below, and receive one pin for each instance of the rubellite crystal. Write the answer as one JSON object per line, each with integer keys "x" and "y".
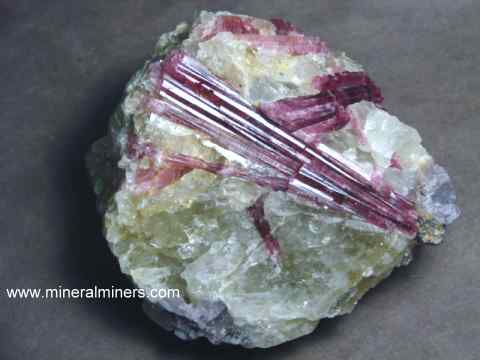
{"x": 255, "y": 169}
{"x": 196, "y": 98}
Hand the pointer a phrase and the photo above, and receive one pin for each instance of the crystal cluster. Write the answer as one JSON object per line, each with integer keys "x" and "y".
{"x": 254, "y": 168}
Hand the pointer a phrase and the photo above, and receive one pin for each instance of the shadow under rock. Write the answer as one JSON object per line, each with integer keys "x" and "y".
{"x": 88, "y": 261}
{"x": 201, "y": 348}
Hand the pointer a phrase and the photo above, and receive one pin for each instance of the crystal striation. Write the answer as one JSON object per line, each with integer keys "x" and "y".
{"x": 255, "y": 169}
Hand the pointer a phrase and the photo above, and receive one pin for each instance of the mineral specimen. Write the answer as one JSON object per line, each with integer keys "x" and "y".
{"x": 255, "y": 169}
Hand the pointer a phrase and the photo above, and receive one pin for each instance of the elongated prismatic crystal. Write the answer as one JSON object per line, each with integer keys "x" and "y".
{"x": 192, "y": 96}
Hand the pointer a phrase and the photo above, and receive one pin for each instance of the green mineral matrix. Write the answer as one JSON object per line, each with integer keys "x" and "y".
{"x": 256, "y": 263}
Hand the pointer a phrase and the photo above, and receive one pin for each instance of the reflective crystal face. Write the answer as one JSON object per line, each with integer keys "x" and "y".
{"x": 214, "y": 216}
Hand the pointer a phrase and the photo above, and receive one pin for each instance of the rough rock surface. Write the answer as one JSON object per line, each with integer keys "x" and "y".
{"x": 194, "y": 230}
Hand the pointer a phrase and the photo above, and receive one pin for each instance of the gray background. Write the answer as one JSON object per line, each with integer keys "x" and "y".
{"x": 62, "y": 68}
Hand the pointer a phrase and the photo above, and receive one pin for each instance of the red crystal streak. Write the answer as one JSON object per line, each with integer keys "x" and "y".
{"x": 151, "y": 177}
{"x": 232, "y": 24}
{"x": 314, "y": 134}
{"x": 179, "y": 160}
{"x": 310, "y": 116}
{"x": 135, "y": 150}
{"x": 283, "y": 27}
{"x": 147, "y": 179}
{"x": 395, "y": 162}
{"x": 257, "y": 213}
{"x": 349, "y": 87}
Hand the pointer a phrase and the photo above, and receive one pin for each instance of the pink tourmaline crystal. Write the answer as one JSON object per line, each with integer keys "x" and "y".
{"x": 196, "y": 98}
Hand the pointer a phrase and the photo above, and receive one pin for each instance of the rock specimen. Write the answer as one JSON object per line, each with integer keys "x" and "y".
{"x": 254, "y": 168}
